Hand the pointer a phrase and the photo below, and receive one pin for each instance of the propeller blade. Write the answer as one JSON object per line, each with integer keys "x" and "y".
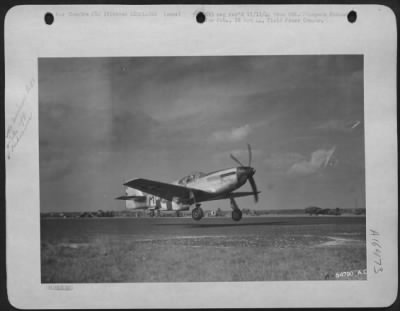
{"x": 254, "y": 187}
{"x": 250, "y": 155}
{"x": 236, "y": 160}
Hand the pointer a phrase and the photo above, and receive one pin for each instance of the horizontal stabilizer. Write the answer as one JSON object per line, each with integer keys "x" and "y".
{"x": 131, "y": 197}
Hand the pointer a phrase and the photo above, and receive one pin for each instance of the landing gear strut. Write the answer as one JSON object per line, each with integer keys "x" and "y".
{"x": 236, "y": 213}
{"x": 197, "y": 212}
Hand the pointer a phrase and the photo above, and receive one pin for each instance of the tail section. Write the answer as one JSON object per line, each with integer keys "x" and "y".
{"x": 134, "y": 199}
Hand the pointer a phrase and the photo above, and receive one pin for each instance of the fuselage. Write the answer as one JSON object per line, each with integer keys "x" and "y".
{"x": 217, "y": 182}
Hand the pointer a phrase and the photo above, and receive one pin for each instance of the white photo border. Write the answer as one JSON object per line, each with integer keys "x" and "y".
{"x": 152, "y": 32}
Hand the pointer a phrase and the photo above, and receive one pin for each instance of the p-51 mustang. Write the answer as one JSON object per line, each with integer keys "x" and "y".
{"x": 197, "y": 188}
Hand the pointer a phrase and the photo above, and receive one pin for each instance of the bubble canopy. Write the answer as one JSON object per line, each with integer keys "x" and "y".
{"x": 191, "y": 177}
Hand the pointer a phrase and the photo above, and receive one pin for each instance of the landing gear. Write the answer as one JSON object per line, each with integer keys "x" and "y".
{"x": 236, "y": 213}
{"x": 197, "y": 212}
{"x": 151, "y": 213}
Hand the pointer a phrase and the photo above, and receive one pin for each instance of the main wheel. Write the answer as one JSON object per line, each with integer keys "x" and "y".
{"x": 236, "y": 215}
{"x": 197, "y": 213}
{"x": 151, "y": 213}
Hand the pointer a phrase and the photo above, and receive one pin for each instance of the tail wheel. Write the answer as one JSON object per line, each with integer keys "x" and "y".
{"x": 197, "y": 213}
{"x": 236, "y": 215}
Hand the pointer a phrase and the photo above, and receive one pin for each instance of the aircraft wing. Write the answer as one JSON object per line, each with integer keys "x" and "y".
{"x": 231, "y": 195}
{"x": 165, "y": 190}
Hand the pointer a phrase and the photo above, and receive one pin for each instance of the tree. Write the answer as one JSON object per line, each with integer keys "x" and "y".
{"x": 313, "y": 210}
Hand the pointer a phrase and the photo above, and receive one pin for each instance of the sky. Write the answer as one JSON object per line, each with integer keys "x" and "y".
{"x": 103, "y": 121}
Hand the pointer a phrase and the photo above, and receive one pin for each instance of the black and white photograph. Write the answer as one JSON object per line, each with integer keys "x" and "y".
{"x": 192, "y": 169}
{"x": 201, "y": 156}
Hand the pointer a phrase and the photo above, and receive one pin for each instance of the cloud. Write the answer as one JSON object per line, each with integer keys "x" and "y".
{"x": 232, "y": 135}
{"x": 54, "y": 164}
{"x": 320, "y": 159}
{"x": 131, "y": 129}
{"x": 282, "y": 161}
{"x": 338, "y": 125}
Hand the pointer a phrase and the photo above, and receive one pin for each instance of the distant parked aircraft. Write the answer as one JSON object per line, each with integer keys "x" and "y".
{"x": 195, "y": 188}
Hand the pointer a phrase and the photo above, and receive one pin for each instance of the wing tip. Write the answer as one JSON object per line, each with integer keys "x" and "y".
{"x": 128, "y": 182}
{"x": 130, "y": 197}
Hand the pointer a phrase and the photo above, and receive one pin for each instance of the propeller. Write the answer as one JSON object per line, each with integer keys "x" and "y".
{"x": 236, "y": 160}
{"x": 250, "y": 155}
{"x": 248, "y": 172}
{"x": 254, "y": 187}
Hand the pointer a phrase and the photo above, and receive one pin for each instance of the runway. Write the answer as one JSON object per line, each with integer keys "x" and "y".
{"x": 213, "y": 249}
{"x": 165, "y": 227}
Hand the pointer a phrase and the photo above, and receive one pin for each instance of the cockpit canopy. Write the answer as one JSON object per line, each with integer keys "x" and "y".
{"x": 190, "y": 178}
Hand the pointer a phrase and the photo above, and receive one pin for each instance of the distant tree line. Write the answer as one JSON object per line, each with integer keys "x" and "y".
{"x": 315, "y": 210}
{"x": 311, "y": 210}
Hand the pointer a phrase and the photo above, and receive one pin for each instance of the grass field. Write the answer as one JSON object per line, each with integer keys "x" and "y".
{"x": 308, "y": 252}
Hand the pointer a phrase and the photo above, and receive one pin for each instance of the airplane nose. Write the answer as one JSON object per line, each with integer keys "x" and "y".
{"x": 244, "y": 172}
